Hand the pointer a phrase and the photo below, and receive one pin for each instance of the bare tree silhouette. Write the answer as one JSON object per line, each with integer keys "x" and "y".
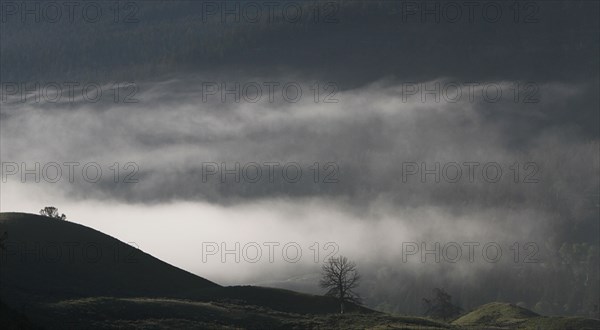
{"x": 340, "y": 277}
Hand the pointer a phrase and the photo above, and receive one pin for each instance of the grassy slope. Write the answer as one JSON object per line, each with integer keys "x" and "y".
{"x": 137, "y": 290}
{"x": 42, "y": 276}
{"x": 59, "y": 259}
{"x": 106, "y": 312}
{"x": 499, "y": 315}
{"x": 59, "y": 286}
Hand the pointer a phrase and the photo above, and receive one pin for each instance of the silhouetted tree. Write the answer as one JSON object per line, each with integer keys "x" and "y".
{"x": 340, "y": 277}
{"x": 52, "y": 212}
{"x": 440, "y": 306}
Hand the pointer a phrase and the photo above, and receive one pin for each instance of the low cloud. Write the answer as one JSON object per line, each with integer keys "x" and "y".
{"x": 366, "y": 193}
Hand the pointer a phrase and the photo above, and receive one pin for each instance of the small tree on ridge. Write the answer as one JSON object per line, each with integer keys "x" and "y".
{"x": 52, "y": 212}
{"x": 340, "y": 277}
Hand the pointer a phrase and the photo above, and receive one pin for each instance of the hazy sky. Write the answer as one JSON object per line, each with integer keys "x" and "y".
{"x": 372, "y": 139}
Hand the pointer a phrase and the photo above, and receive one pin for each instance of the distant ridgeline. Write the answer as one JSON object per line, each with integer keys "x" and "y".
{"x": 133, "y": 41}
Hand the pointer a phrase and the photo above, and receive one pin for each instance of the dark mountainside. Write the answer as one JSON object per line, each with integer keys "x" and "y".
{"x": 51, "y": 275}
{"x": 87, "y": 262}
{"x": 49, "y": 261}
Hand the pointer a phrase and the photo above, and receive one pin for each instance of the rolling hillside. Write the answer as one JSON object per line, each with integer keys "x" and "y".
{"x": 499, "y": 315}
{"x": 53, "y": 268}
{"x": 56, "y": 274}
{"x": 54, "y": 259}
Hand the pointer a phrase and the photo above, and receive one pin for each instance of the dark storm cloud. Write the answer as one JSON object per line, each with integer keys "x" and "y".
{"x": 542, "y": 41}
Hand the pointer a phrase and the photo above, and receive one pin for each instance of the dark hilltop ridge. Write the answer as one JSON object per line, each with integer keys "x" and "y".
{"x": 59, "y": 274}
